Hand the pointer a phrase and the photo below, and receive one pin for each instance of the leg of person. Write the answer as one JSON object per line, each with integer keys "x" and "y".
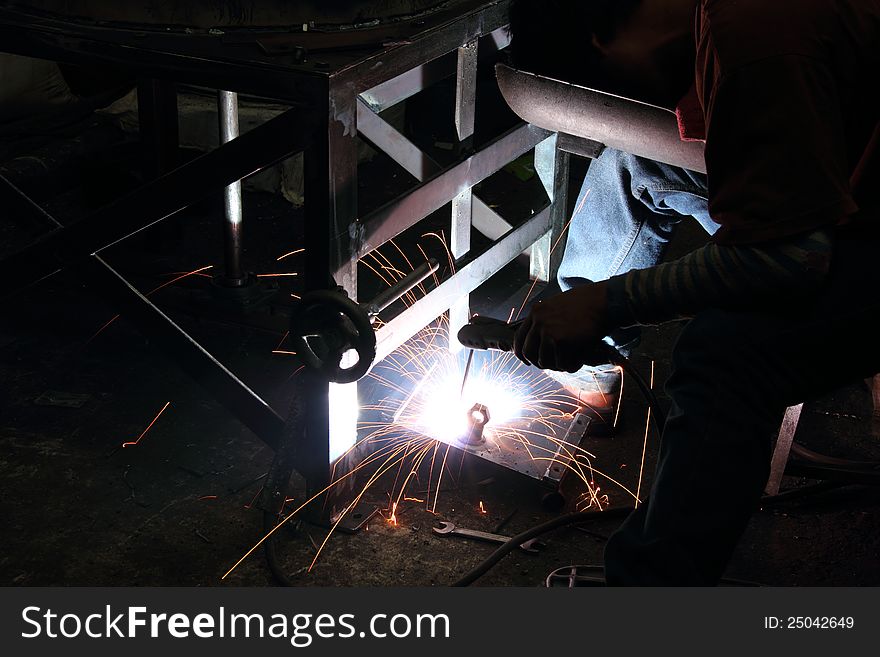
{"x": 734, "y": 373}
{"x": 625, "y": 215}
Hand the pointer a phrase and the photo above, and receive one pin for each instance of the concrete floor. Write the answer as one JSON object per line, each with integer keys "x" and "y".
{"x": 176, "y": 509}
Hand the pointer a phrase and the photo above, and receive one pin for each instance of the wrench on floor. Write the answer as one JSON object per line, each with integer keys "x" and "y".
{"x": 531, "y": 546}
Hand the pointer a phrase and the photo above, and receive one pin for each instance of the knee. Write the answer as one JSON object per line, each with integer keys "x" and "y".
{"x": 618, "y": 165}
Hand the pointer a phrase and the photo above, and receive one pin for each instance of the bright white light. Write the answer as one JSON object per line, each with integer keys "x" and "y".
{"x": 343, "y": 418}
{"x": 442, "y": 412}
{"x": 349, "y": 359}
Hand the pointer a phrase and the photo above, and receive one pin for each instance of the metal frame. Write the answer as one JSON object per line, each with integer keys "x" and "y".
{"x": 333, "y": 101}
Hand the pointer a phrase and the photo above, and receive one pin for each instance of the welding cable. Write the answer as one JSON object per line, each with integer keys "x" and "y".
{"x": 658, "y": 415}
{"x": 587, "y": 516}
{"x": 812, "y": 457}
{"x": 269, "y": 522}
{"x": 538, "y": 530}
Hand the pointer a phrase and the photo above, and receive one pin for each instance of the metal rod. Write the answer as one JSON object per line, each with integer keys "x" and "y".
{"x": 227, "y": 106}
{"x": 402, "y": 287}
{"x": 467, "y": 371}
{"x": 22, "y": 210}
{"x": 235, "y": 395}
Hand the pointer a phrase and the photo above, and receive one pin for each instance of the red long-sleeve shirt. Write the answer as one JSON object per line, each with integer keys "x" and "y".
{"x": 787, "y": 100}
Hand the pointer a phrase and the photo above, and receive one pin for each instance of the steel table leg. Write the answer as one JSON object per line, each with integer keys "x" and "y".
{"x": 462, "y": 205}
{"x": 331, "y": 250}
{"x": 551, "y": 165}
{"x": 227, "y": 106}
{"x": 158, "y": 126}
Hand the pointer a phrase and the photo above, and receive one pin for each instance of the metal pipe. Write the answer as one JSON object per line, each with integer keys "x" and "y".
{"x": 227, "y": 106}
{"x": 617, "y": 122}
{"x": 402, "y": 287}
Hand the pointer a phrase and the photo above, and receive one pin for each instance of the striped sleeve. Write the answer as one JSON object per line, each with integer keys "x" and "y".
{"x": 719, "y": 276}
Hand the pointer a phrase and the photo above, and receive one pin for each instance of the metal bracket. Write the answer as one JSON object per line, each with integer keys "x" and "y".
{"x": 356, "y": 518}
{"x": 573, "y": 437}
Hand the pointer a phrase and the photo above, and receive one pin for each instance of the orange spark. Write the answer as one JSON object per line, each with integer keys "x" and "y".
{"x": 208, "y": 497}
{"x": 286, "y": 333}
{"x": 645, "y": 441}
{"x": 280, "y": 258}
{"x": 251, "y": 503}
{"x": 393, "y": 518}
{"x": 552, "y": 250}
{"x": 289, "y": 273}
{"x": 482, "y": 508}
{"x": 135, "y": 442}
{"x": 152, "y": 292}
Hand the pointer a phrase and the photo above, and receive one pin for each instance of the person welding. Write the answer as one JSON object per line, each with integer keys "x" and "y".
{"x": 782, "y": 301}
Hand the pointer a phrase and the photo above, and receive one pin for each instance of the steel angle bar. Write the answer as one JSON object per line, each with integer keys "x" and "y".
{"x": 465, "y": 280}
{"x": 207, "y": 174}
{"x": 463, "y": 203}
{"x": 188, "y": 354}
{"x": 781, "y": 451}
{"x": 551, "y": 165}
{"x": 399, "y": 88}
{"x": 579, "y": 146}
{"x": 393, "y": 143}
{"x": 227, "y": 111}
{"x": 421, "y": 166}
{"x": 19, "y": 207}
{"x": 466, "y": 90}
{"x": 390, "y": 220}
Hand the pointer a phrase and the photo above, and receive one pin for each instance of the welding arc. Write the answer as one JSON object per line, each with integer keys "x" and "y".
{"x": 659, "y": 417}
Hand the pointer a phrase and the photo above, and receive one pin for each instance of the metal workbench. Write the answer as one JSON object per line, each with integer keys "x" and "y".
{"x": 336, "y": 85}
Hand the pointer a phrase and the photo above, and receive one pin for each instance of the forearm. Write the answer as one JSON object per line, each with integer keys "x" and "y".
{"x": 718, "y": 276}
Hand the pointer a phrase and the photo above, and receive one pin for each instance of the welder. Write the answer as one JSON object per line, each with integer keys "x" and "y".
{"x": 782, "y": 301}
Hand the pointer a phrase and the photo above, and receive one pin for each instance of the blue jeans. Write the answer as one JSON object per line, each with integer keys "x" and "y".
{"x": 625, "y": 215}
{"x": 733, "y": 375}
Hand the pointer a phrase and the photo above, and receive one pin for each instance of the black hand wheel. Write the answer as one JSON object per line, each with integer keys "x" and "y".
{"x": 327, "y": 325}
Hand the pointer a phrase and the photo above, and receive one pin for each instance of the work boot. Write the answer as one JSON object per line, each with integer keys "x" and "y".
{"x": 597, "y": 391}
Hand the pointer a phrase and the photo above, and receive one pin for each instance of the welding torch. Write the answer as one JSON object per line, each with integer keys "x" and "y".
{"x": 487, "y": 333}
